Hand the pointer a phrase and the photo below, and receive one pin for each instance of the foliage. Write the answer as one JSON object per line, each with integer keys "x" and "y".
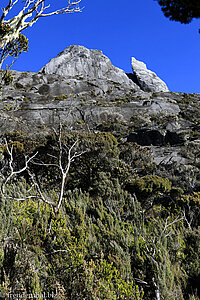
{"x": 149, "y": 188}
{"x": 15, "y": 47}
{"x": 105, "y": 241}
{"x": 180, "y": 10}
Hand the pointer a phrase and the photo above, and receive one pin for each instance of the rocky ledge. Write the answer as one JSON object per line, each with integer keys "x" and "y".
{"x": 81, "y": 88}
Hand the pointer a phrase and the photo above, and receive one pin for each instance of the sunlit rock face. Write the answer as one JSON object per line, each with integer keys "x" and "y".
{"x": 146, "y": 79}
{"x": 78, "y": 61}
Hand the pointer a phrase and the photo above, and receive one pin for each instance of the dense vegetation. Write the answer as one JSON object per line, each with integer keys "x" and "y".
{"x": 122, "y": 231}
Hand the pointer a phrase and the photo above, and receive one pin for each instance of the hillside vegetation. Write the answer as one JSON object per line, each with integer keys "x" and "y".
{"x": 121, "y": 232}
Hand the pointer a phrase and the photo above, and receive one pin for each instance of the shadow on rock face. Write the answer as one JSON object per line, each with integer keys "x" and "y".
{"x": 133, "y": 77}
{"x": 174, "y": 138}
{"x": 147, "y": 137}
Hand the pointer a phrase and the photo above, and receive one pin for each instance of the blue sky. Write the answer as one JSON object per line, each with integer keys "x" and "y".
{"x": 121, "y": 29}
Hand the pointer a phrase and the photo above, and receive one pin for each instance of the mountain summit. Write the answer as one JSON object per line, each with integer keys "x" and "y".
{"x": 78, "y": 61}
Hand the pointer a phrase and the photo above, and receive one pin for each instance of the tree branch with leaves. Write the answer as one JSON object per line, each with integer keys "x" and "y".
{"x": 12, "y": 42}
{"x": 183, "y": 11}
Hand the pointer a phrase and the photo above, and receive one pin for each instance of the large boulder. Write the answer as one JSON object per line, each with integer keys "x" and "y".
{"x": 79, "y": 62}
{"x": 146, "y": 79}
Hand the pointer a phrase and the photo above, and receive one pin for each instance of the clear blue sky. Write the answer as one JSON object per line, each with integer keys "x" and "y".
{"x": 121, "y": 29}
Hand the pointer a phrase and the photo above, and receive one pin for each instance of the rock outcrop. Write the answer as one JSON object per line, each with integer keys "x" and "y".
{"x": 79, "y": 62}
{"x": 165, "y": 123}
{"x": 146, "y": 79}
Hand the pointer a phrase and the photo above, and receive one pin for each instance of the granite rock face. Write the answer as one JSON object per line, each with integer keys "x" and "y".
{"x": 78, "y": 61}
{"x": 146, "y": 79}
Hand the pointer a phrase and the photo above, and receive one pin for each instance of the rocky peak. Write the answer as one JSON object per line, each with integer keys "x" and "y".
{"x": 146, "y": 79}
{"x": 78, "y": 61}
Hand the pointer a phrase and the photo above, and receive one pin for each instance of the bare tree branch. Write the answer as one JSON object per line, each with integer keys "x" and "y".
{"x": 170, "y": 224}
{"x": 25, "y": 168}
{"x": 11, "y": 167}
{"x": 29, "y": 14}
{"x": 41, "y": 194}
{"x": 66, "y": 155}
{"x": 64, "y": 168}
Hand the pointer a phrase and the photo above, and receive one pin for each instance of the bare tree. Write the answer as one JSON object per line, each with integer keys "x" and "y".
{"x": 64, "y": 168}
{"x": 28, "y": 13}
{"x": 62, "y": 162}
